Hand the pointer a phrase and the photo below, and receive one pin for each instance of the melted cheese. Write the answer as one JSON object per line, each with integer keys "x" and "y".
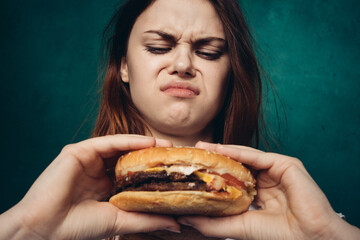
{"x": 155, "y": 169}
{"x": 233, "y": 191}
{"x": 204, "y": 176}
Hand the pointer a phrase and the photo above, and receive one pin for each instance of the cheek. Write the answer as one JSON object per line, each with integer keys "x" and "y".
{"x": 139, "y": 79}
{"x": 144, "y": 68}
{"x": 143, "y": 83}
{"x": 217, "y": 82}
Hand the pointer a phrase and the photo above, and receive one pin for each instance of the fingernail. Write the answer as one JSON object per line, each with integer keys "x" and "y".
{"x": 184, "y": 222}
{"x": 173, "y": 229}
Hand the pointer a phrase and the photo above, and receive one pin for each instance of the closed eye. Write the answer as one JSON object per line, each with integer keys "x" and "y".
{"x": 209, "y": 55}
{"x": 158, "y": 50}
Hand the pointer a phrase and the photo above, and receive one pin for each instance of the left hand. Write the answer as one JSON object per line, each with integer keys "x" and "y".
{"x": 291, "y": 205}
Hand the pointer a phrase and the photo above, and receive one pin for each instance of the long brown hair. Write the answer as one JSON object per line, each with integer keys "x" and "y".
{"x": 236, "y": 123}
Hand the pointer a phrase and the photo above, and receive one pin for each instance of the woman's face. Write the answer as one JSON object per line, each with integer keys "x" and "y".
{"x": 177, "y": 66}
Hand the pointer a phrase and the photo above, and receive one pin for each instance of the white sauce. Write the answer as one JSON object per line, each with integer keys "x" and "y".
{"x": 187, "y": 170}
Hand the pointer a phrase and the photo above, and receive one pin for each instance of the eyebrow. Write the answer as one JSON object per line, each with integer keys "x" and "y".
{"x": 199, "y": 42}
{"x": 164, "y": 35}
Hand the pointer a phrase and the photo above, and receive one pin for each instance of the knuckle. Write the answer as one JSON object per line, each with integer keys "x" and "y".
{"x": 297, "y": 161}
{"x": 68, "y": 149}
{"x": 292, "y": 161}
{"x": 287, "y": 160}
{"x": 73, "y": 149}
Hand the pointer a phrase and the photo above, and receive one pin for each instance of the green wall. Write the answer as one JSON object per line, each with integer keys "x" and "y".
{"x": 49, "y": 53}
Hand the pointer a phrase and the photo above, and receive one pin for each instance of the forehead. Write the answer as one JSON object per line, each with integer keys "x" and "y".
{"x": 182, "y": 18}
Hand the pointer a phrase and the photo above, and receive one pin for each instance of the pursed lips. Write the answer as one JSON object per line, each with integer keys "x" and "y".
{"x": 181, "y": 90}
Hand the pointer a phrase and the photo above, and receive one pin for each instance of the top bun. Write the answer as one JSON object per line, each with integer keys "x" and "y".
{"x": 158, "y": 156}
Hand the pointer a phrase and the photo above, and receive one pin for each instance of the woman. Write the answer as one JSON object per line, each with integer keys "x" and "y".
{"x": 214, "y": 57}
{"x": 182, "y": 73}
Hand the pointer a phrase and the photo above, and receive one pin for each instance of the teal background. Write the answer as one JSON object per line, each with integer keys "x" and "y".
{"x": 49, "y": 52}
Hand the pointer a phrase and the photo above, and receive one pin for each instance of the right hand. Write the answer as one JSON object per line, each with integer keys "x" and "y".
{"x": 66, "y": 201}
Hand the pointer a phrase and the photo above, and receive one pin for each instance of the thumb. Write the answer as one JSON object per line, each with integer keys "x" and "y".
{"x": 97, "y": 220}
{"x": 132, "y": 222}
{"x": 220, "y": 227}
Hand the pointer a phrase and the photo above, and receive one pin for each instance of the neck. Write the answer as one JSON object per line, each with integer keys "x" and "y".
{"x": 184, "y": 140}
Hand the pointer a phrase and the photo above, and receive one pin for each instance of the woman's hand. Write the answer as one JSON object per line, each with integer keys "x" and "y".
{"x": 66, "y": 201}
{"x": 291, "y": 205}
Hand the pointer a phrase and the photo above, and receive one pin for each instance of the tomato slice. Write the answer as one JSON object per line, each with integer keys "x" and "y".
{"x": 231, "y": 180}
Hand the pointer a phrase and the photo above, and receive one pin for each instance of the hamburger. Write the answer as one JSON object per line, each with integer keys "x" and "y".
{"x": 182, "y": 181}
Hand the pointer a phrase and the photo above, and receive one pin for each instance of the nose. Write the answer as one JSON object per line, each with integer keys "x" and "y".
{"x": 182, "y": 64}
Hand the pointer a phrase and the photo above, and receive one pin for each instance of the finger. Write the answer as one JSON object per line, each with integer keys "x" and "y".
{"x": 222, "y": 227}
{"x": 111, "y": 162}
{"x": 206, "y": 145}
{"x": 109, "y": 146}
{"x": 91, "y": 152}
{"x": 214, "y": 146}
{"x": 131, "y": 222}
{"x": 254, "y": 158}
{"x": 163, "y": 143}
{"x": 277, "y": 164}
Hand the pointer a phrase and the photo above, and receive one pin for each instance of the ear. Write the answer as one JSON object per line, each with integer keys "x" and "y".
{"x": 124, "y": 73}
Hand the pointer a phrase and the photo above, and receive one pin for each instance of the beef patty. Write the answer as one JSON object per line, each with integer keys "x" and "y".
{"x": 160, "y": 181}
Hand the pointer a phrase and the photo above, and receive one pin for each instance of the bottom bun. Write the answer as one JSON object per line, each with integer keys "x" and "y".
{"x": 181, "y": 202}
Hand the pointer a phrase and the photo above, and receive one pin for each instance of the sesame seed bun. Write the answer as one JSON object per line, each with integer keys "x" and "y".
{"x": 184, "y": 202}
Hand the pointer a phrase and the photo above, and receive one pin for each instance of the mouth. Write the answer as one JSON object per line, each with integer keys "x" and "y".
{"x": 180, "y": 90}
